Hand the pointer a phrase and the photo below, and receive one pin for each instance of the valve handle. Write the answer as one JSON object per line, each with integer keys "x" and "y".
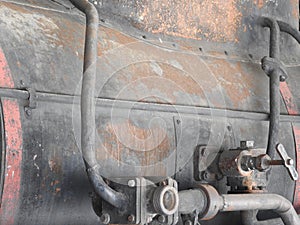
{"x": 288, "y": 162}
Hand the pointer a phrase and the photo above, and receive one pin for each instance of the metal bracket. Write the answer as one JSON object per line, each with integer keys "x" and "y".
{"x": 31, "y": 102}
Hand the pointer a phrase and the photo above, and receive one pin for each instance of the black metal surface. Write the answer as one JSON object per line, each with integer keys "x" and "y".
{"x": 54, "y": 186}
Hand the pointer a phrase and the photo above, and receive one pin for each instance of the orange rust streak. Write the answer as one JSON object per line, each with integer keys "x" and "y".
{"x": 13, "y": 138}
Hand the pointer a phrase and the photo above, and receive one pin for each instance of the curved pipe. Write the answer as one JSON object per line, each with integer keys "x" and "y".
{"x": 87, "y": 102}
{"x": 274, "y": 83}
{"x": 287, "y": 28}
{"x": 274, "y": 50}
{"x": 212, "y": 203}
{"x": 277, "y": 203}
{"x": 249, "y": 218}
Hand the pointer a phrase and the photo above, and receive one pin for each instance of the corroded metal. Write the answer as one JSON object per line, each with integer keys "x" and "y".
{"x": 198, "y": 64}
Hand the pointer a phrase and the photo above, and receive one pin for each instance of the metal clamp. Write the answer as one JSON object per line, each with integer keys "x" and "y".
{"x": 31, "y": 101}
{"x": 271, "y": 65}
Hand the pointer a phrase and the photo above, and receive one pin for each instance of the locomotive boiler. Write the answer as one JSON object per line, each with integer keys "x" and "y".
{"x": 149, "y": 112}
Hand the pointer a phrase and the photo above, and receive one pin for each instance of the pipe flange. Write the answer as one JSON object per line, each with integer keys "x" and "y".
{"x": 213, "y": 202}
{"x": 165, "y": 200}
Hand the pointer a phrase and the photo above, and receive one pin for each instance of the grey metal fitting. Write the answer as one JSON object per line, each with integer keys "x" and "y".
{"x": 165, "y": 200}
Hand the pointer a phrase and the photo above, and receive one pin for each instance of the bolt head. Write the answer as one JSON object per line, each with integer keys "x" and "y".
{"x": 161, "y": 219}
{"x": 205, "y": 175}
{"x": 247, "y": 144}
{"x": 131, "y": 218}
{"x": 204, "y": 152}
{"x": 131, "y": 183}
{"x": 28, "y": 111}
{"x": 105, "y": 218}
{"x": 188, "y": 222}
{"x": 282, "y": 78}
{"x": 290, "y": 162}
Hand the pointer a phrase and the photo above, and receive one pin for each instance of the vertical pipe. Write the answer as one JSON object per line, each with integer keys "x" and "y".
{"x": 88, "y": 124}
{"x": 274, "y": 52}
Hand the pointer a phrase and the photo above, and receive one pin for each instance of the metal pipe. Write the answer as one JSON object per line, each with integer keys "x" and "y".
{"x": 277, "y": 203}
{"x": 274, "y": 125}
{"x": 274, "y": 50}
{"x": 249, "y": 218}
{"x": 274, "y": 83}
{"x": 214, "y": 203}
{"x": 88, "y": 82}
{"x": 287, "y": 28}
{"x": 189, "y": 200}
{"x": 14, "y": 93}
{"x": 87, "y": 102}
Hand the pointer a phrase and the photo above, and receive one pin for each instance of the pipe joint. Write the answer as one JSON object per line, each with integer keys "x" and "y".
{"x": 274, "y": 67}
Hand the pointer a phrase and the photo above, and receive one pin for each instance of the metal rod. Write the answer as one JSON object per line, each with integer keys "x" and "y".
{"x": 88, "y": 124}
{"x": 14, "y": 93}
{"x": 276, "y": 162}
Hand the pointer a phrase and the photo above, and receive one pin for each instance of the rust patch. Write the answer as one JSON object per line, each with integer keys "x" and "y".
{"x": 110, "y": 39}
{"x": 47, "y": 29}
{"x": 295, "y": 8}
{"x": 259, "y": 3}
{"x": 70, "y": 34}
{"x": 15, "y": 7}
{"x": 214, "y": 20}
{"x": 149, "y": 146}
{"x": 233, "y": 79}
{"x": 160, "y": 79}
{"x": 288, "y": 99}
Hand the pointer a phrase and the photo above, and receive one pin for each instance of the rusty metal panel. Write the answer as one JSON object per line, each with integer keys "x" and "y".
{"x": 179, "y": 57}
